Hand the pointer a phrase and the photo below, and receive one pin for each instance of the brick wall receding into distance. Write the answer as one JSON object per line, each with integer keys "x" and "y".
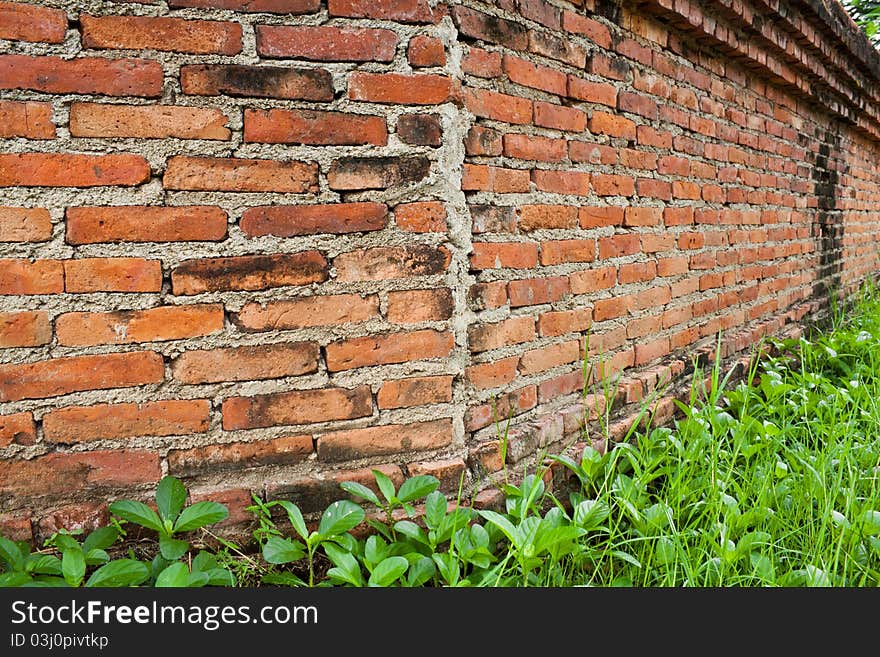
{"x": 268, "y": 245}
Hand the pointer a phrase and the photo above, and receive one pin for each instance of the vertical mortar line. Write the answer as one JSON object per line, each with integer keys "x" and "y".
{"x": 450, "y": 160}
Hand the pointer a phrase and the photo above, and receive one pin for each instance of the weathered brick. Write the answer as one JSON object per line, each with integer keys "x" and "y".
{"x": 422, "y": 51}
{"x": 601, "y": 93}
{"x": 492, "y": 219}
{"x": 72, "y": 170}
{"x": 413, "y": 306}
{"x": 385, "y": 439}
{"x": 248, "y": 363}
{"x": 584, "y": 151}
{"x": 133, "y": 326}
{"x": 172, "y": 417}
{"x": 483, "y": 141}
{"x": 516, "y": 330}
{"x": 529, "y": 147}
{"x": 29, "y": 328}
{"x": 327, "y": 44}
{"x": 258, "y": 81}
{"x": 112, "y": 275}
{"x": 484, "y": 296}
{"x": 534, "y": 76}
{"x": 296, "y": 407}
{"x": 17, "y": 429}
{"x": 503, "y": 407}
{"x": 498, "y": 107}
{"x": 254, "y": 272}
{"x": 415, "y": 391}
{"x": 421, "y": 217}
{"x": 563, "y": 50}
{"x": 592, "y": 280}
{"x": 239, "y": 175}
{"x": 449, "y": 472}
{"x": 612, "y": 125}
{"x": 478, "y": 25}
{"x": 60, "y": 376}
{"x": 612, "y": 184}
{"x": 30, "y": 119}
{"x": 495, "y": 255}
{"x": 404, "y": 11}
{"x": 420, "y": 129}
{"x": 83, "y": 75}
{"x": 497, "y": 372}
{"x": 559, "y": 322}
{"x": 536, "y": 291}
{"x": 354, "y": 173}
{"x": 546, "y": 216}
{"x": 285, "y": 450}
{"x": 21, "y": 276}
{"x": 555, "y": 252}
{"x": 305, "y": 312}
{"x": 267, "y": 6}
{"x": 636, "y": 272}
{"x": 384, "y": 262}
{"x": 161, "y": 33}
{"x": 592, "y": 29}
{"x": 598, "y": 216}
{"x": 495, "y": 179}
{"x": 25, "y": 22}
{"x": 127, "y": 223}
{"x": 388, "y": 349}
{"x": 618, "y": 245}
{"x": 147, "y": 121}
{"x": 482, "y": 63}
{"x": 293, "y": 220}
{"x": 542, "y": 359}
{"x": 559, "y": 386}
{"x": 560, "y": 117}
{"x": 24, "y": 224}
{"x": 400, "y": 88}
{"x": 642, "y": 216}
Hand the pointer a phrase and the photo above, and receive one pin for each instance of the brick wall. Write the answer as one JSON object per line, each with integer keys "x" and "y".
{"x": 268, "y": 245}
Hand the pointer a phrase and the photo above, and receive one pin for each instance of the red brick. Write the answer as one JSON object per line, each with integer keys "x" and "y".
{"x": 563, "y": 50}
{"x": 613, "y": 68}
{"x": 541, "y": 12}
{"x": 305, "y": 312}
{"x": 413, "y": 306}
{"x": 17, "y": 429}
{"x": 60, "y": 376}
{"x": 598, "y": 216}
{"x": 492, "y": 374}
{"x": 534, "y": 76}
{"x": 112, "y": 275}
{"x": 294, "y": 220}
{"x": 678, "y": 216}
{"x": 612, "y": 125}
{"x": 652, "y": 243}
{"x": 420, "y": 129}
{"x": 560, "y": 117}
{"x": 592, "y": 92}
{"x": 529, "y": 147}
{"x": 355, "y": 173}
{"x": 542, "y": 359}
{"x": 636, "y": 159}
{"x": 537, "y": 217}
{"x": 296, "y": 407}
{"x": 645, "y": 353}
{"x": 618, "y": 245}
{"x": 239, "y": 175}
{"x": 561, "y": 322}
{"x": 556, "y": 252}
{"x": 388, "y": 349}
{"x": 592, "y": 280}
{"x": 76, "y": 424}
{"x": 256, "y": 81}
{"x": 29, "y": 119}
{"x": 285, "y": 450}
{"x": 653, "y": 188}
{"x": 25, "y": 22}
{"x": 516, "y": 330}
{"x": 576, "y": 183}
{"x": 254, "y": 272}
{"x": 400, "y": 88}
{"x": 564, "y": 384}
{"x": 492, "y": 219}
{"x": 484, "y": 296}
{"x": 153, "y": 33}
{"x": 24, "y": 224}
{"x": 495, "y": 179}
{"x": 495, "y": 255}
{"x": 25, "y": 329}
{"x": 261, "y": 6}
{"x": 421, "y": 217}
{"x": 648, "y": 136}
{"x": 415, "y": 391}
{"x": 449, "y": 472}
{"x": 21, "y": 276}
{"x": 478, "y": 25}
{"x": 507, "y": 405}
{"x": 642, "y": 216}
{"x": 536, "y": 291}
{"x": 72, "y": 170}
{"x": 83, "y": 75}
{"x": 612, "y": 185}
{"x": 384, "y": 262}
{"x": 674, "y": 165}
{"x": 92, "y": 225}
{"x": 131, "y": 326}
{"x": 584, "y": 151}
{"x": 247, "y": 363}
{"x": 636, "y": 272}
{"x": 612, "y": 308}
{"x": 77, "y": 471}
{"x": 483, "y": 141}
{"x": 425, "y": 51}
{"x": 637, "y": 104}
{"x": 328, "y": 44}
{"x": 498, "y": 107}
{"x": 403, "y": 11}
{"x": 385, "y": 439}
{"x": 482, "y": 63}
{"x": 147, "y": 121}
{"x": 592, "y": 29}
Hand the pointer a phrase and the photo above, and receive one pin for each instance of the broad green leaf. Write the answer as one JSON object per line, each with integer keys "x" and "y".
{"x": 279, "y": 550}
{"x": 138, "y": 513}
{"x": 197, "y": 580}
{"x": 219, "y": 577}
{"x": 174, "y": 576}
{"x": 170, "y": 498}
{"x": 869, "y": 522}
{"x": 119, "y": 573}
{"x": 625, "y": 556}
{"x": 43, "y": 564}
{"x": 501, "y": 522}
{"x": 411, "y": 530}
{"x": 752, "y": 542}
{"x": 449, "y": 567}
{"x": 101, "y": 538}
{"x": 590, "y": 514}
{"x": 361, "y": 491}
{"x": 435, "y": 509}
{"x": 375, "y": 550}
{"x": 11, "y": 554}
{"x": 282, "y": 579}
{"x": 172, "y": 548}
{"x": 73, "y": 566}
{"x": 97, "y": 557}
{"x": 385, "y": 484}
{"x": 340, "y": 517}
{"x": 346, "y": 568}
{"x": 296, "y": 518}
{"x": 204, "y": 561}
{"x": 387, "y": 572}
{"x": 14, "y": 580}
{"x": 665, "y": 551}
{"x": 200, "y": 514}
{"x": 417, "y": 487}
{"x": 420, "y": 571}
{"x": 64, "y": 541}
